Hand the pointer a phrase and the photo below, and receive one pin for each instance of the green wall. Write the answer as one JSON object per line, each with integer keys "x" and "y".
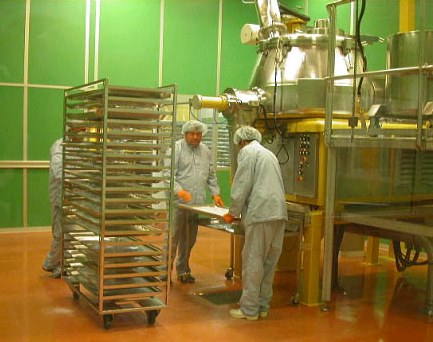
{"x": 135, "y": 42}
{"x": 45, "y": 121}
{"x": 237, "y": 61}
{"x": 190, "y": 46}
{"x": 12, "y": 13}
{"x": 11, "y": 199}
{"x": 11, "y": 114}
{"x": 129, "y": 42}
{"x": 72, "y": 42}
{"x": 56, "y": 46}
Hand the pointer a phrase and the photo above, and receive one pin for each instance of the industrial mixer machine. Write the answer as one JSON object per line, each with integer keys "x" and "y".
{"x": 289, "y": 100}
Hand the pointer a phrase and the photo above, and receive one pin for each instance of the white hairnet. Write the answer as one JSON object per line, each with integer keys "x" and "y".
{"x": 194, "y": 126}
{"x": 246, "y": 133}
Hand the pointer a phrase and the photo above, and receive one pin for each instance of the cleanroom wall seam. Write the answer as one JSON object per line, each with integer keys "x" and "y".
{"x": 87, "y": 42}
{"x": 218, "y": 66}
{"x": 161, "y": 42}
{"x": 26, "y": 164}
{"x": 97, "y": 24}
{"x": 25, "y": 111}
{"x": 218, "y": 79}
{"x": 26, "y": 78}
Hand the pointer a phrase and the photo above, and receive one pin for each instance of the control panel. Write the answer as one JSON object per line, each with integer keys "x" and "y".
{"x": 297, "y": 155}
{"x": 305, "y": 164}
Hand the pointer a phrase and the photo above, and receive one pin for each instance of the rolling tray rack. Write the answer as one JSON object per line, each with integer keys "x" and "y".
{"x": 117, "y": 191}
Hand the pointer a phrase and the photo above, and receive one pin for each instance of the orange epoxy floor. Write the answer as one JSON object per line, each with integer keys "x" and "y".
{"x": 379, "y": 304}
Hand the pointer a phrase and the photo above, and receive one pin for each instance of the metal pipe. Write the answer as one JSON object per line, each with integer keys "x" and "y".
{"x": 353, "y": 18}
{"x": 269, "y": 12}
{"x": 328, "y": 231}
{"x": 331, "y": 65}
{"x": 332, "y": 159}
{"x": 338, "y": 3}
{"x": 328, "y": 234}
{"x": 404, "y": 70}
{"x": 220, "y": 103}
{"x": 421, "y": 80}
{"x": 24, "y": 164}
{"x": 270, "y": 19}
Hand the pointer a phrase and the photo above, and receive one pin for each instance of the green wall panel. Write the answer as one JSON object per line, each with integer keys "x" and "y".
{"x": 45, "y": 121}
{"x": 39, "y": 213}
{"x": 12, "y": 18}
{"x": 387, "y": 25}
{"x": 296, "y": 5}
{"x": 317, "y": 10}
{"x": 224, "y": 182}
{"x": 129, "y": 42}
{"x": 191, "y": 45}
{"x": 92, "y": 38}
{"x": 57, "y": 42}
{"x": 11, "y": 128}
{"x": 428, "y": 14}
{"x": 237, "y": 60}
{"x": 11, "y": 198}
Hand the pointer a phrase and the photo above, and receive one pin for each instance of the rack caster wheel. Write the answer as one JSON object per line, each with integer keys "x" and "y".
{"x": 229, "y": 273}
{"x": 151, "y": 316}
{"x": 107, "y": 321}
{"x": 295, "y": 299}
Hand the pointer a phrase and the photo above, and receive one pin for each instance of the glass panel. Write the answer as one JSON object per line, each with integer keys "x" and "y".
{"x": 129, "y": 45}
{"x": 11, "y": 198}
{"x": 190, "y": 45}
{"x": 237, "y": 60}
{"x": 39, "y": 203}
{"x": 12, "y": 17}
{"x": 45, "y": 117}
{"x": 11, "y": 128}
{"x": 57, "y": 42}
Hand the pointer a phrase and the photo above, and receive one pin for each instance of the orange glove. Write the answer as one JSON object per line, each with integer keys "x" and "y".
{"x": 185, "y": 195}
{"x": 229, "y": 218}
{"x": 218, "y": 200}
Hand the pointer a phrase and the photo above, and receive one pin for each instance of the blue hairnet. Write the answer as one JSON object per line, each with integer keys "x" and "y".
{"x": 194, "y": 126}
{"x": 246, "y": 133}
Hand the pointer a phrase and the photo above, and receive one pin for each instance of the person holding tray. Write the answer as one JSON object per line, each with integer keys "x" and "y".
{"x": 194, "y": 172}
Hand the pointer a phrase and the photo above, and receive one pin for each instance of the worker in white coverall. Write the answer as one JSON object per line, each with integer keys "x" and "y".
{"x": 193, "y": 172}
{"x": 52, "y": 260}
{"x": 257, "y": 196}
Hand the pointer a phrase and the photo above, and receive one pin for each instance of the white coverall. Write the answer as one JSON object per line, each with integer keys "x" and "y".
{"x": 258, "y": 194}
{"x": 52, "y": 260}
{"x": 193, "y": 172}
